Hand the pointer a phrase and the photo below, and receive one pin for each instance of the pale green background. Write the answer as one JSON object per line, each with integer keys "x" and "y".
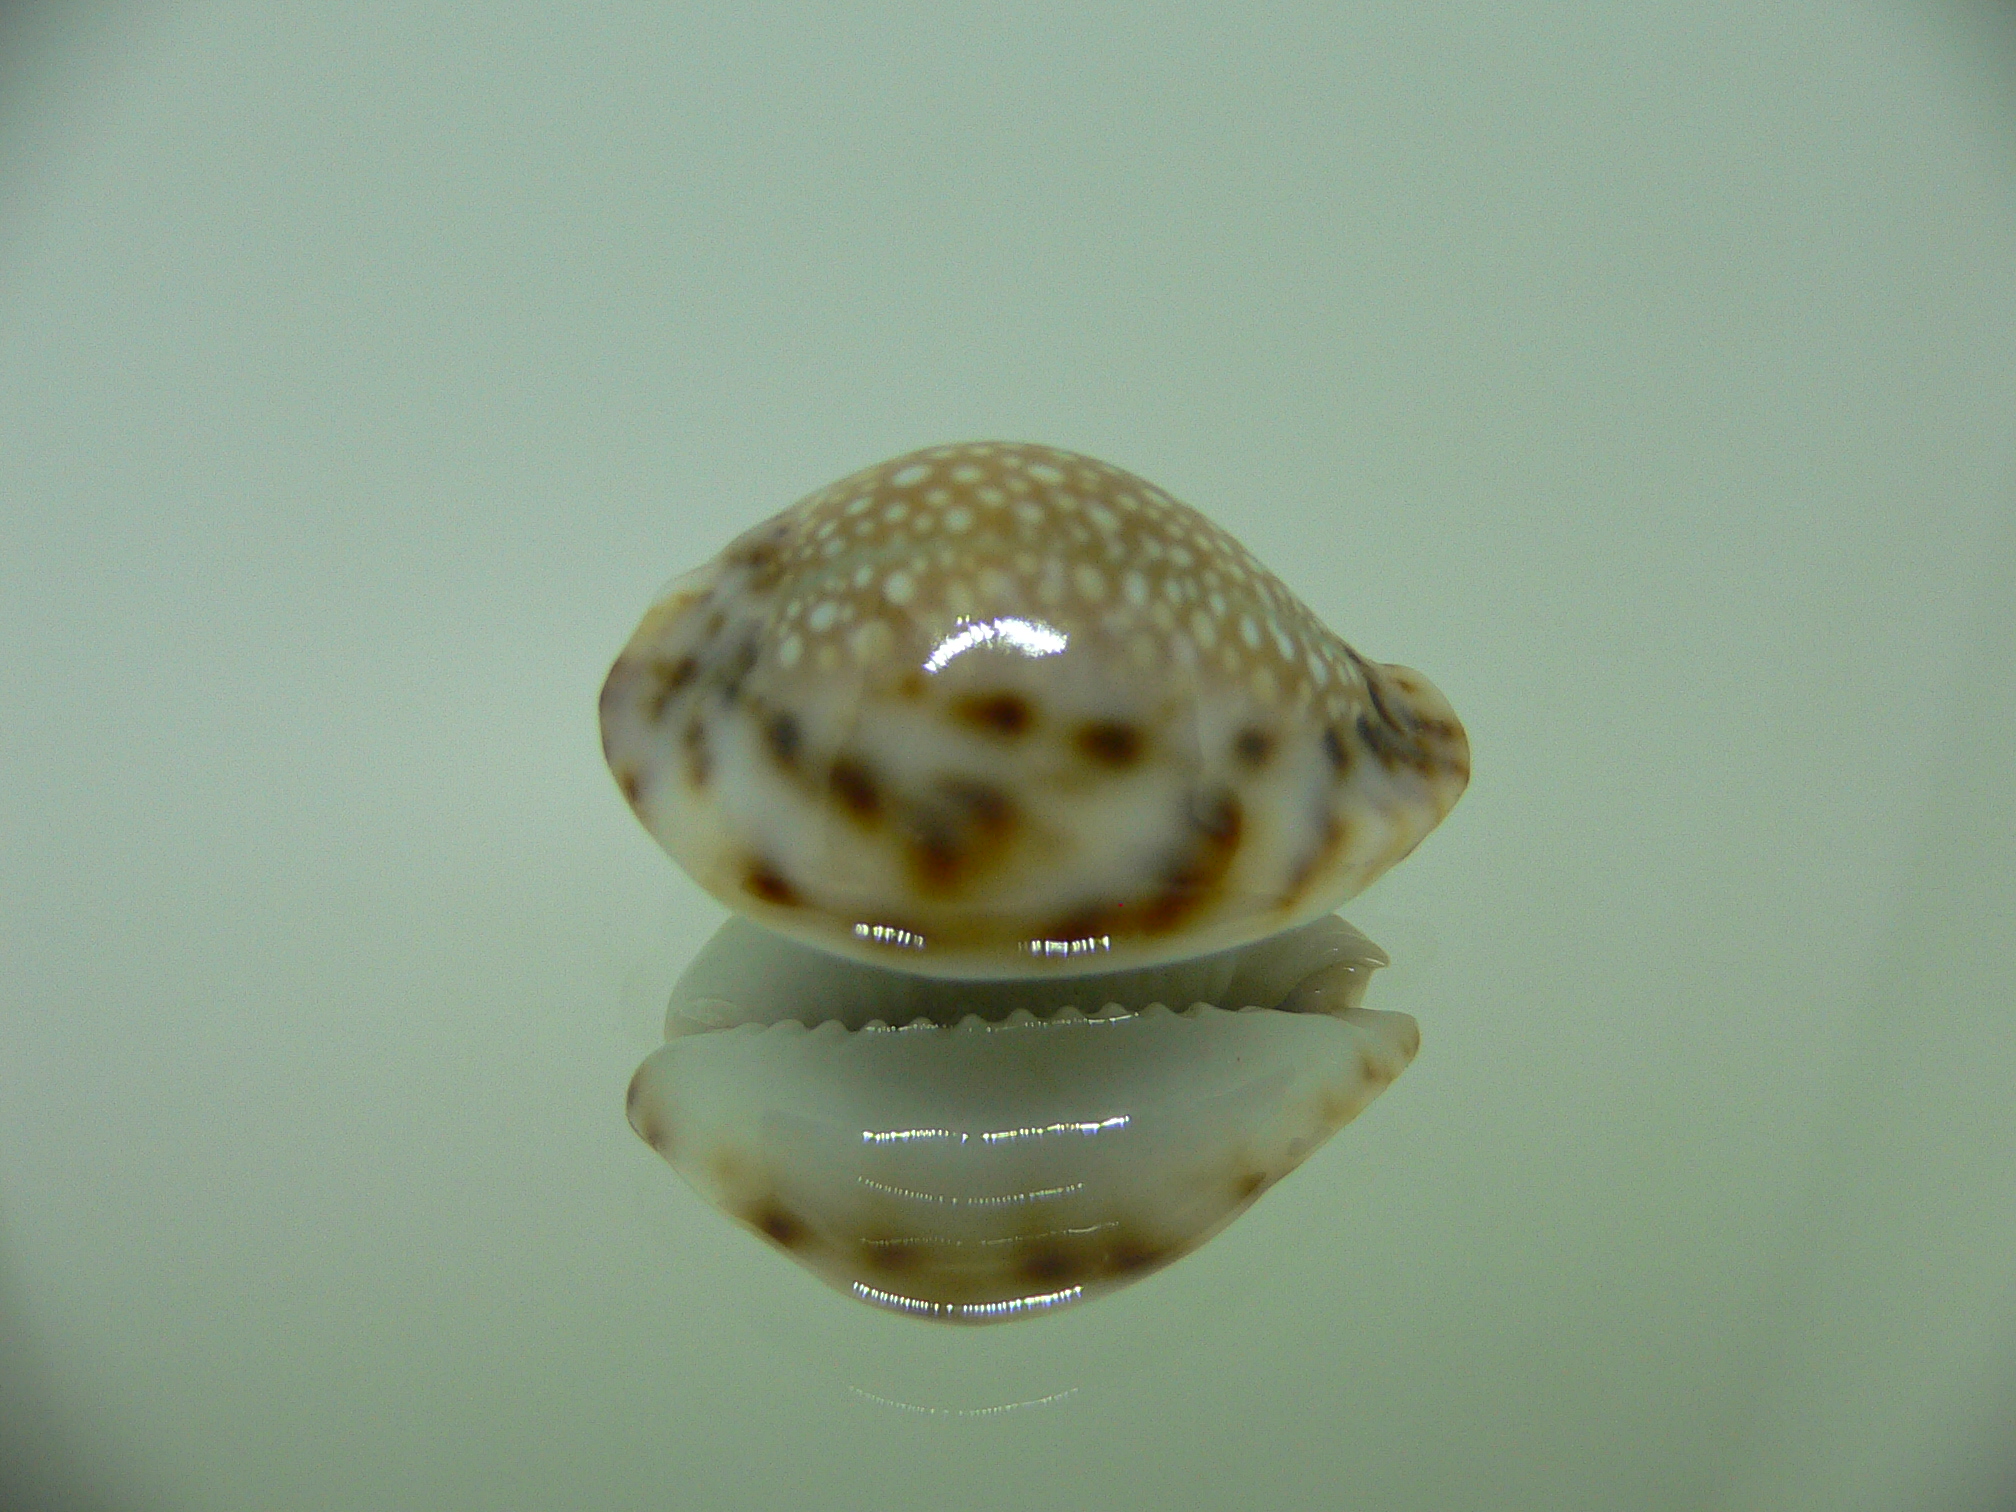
{"x": 1644, "y": 373}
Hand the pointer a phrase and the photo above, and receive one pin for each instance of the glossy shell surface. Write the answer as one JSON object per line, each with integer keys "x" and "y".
{"x": 949, "y": 1151}
{"x": 994, "y": 709}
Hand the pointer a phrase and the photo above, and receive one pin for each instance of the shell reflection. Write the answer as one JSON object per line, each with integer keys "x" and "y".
{"x": 980, "y": 1151}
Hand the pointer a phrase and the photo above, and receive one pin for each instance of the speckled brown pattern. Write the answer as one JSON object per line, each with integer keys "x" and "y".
{"x": 992, "y": 709}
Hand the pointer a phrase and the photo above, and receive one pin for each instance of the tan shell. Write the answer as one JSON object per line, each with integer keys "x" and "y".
{"x": 993, "y": 709}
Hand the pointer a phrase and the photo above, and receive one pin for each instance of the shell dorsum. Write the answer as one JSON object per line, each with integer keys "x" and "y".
{"x": 993, "y": 709}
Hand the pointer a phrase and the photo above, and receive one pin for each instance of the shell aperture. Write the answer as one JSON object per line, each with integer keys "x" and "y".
{"x": 993, "y": 710}
{"x": 980, "y": 1152}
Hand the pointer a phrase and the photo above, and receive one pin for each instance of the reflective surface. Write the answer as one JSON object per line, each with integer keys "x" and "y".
{"x": 981, "y": 1152}
{"x": 363, "y": 369}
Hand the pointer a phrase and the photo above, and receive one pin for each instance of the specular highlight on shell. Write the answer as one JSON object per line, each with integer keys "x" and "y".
{"x": 998, "y": 709}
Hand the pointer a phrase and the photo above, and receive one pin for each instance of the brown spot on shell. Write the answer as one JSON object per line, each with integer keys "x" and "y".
{"x": 1005, "y": 714}
{"x": 1394, "y": 737}
{"x": 669, "y": 677}
{"x": 1253, "y": 746}
{"x": 1337, "y": 748}
{"x": 782, "y": 735}
{"x": 765, "y": 881}
{"x": 1373, "y": 679}
{"x": 764, "y": 562}
{"x": 698, "y": 763}
{"x": 959, "y": 831}
{"x": 1110, "y": 742}
{"x": 1193, "y": 878}
{"x": 892, "y": 1256}
{"x": 1133, "y": 1254}
{"x": 1390, "y": 747}
{"x": 1056, "y": 1261}
{"x": 1048, "y": 1262}
{"x": 741, "y": 662}
{"x": 850, "y": 781}
{"x": 1217, "y": 816}
{"x": 631, "y": 785}
{"x": 1248, "y": 1184}
{"x": 779, "y": 1224}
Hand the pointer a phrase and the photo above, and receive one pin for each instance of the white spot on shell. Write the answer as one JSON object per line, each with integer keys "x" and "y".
{"x": 823, "y": 614}
{"x": 916, "y": 472}
{"x": 899, "y": 587}
{"x": 789, "y": 650}
{"x": 871, "y": 641}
